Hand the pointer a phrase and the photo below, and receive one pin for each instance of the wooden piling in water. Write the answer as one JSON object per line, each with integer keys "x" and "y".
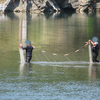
{"x": 22, "y": 35}
{"x": 90, "y": 52}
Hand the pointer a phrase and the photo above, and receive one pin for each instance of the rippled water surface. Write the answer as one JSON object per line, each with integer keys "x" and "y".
{"x": 60, "y": 68}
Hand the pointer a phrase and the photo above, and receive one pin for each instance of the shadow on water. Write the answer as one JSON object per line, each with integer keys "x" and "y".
{"x": 58, "y": 15}
{"x": 16, "y": 15}
{"x": 29, "y": 68}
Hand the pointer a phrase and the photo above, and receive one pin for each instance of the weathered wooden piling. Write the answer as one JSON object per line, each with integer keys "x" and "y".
{"x": 90, "y": 52}
{"x": 22, "y": 34}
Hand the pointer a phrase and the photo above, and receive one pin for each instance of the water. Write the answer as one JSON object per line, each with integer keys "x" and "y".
{"x": 50, "y": 75}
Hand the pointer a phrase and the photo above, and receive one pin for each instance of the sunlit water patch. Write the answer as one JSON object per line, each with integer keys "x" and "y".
{"x": 63, "y": 64}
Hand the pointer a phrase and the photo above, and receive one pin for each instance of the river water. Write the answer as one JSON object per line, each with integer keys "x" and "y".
{"x": 60, "y": 68}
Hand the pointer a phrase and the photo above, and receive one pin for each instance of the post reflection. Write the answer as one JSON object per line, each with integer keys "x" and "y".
{"x": 22, "y": 39}
{"x": 93, "y": 71}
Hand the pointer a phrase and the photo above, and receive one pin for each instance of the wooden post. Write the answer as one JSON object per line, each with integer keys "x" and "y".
{"x": 22, "y": 39}
{"x": 90, "y": 53}
{"x": 24, "y": 29}
{"x": 22, "y": 59}
{"x": 22, "y": 35}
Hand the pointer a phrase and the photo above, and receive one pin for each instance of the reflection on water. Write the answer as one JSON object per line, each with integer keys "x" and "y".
{"x": 22, "y": 39}
{"x": 93, "y": 71}
{"x": 50, "y": 74}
